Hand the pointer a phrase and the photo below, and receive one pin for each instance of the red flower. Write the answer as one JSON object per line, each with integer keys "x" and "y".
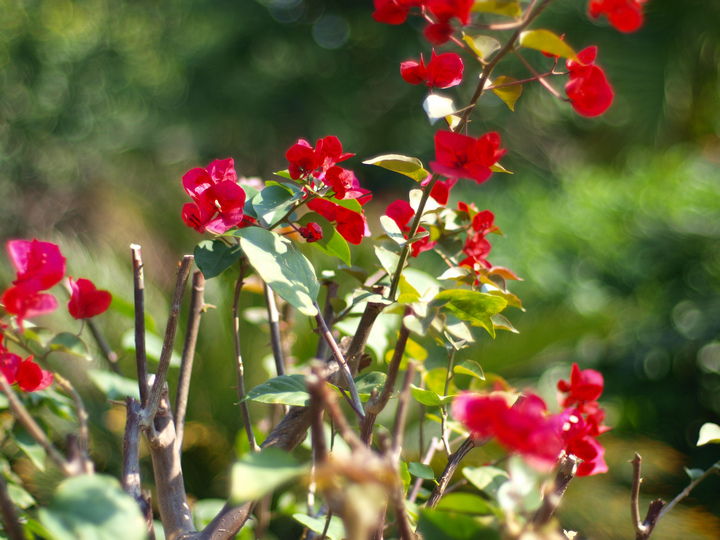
{"x": 40, "y": 265}
{"x": 624, "y": 15}
{"x": 312, "y": 233}
{"x": 444, "y": 71}
{"x": 351, "y": 225}
{"x": 402, "y": 213}
{"x": 393, "y": 11}
{"x": 219, "y": 200}
{"x": 26, "y": 373}
{"x": 588, "y": 90}
{"x": 484, "y": 222}
{"x": 578, "y": 438}
{"x": 9, "y": 363}
{"x": 445, "y": 10}
{"x": 25, "y": 303}
{"x": 460, "y": 156}
{"x": 441, "y": 190}
{"x": 306, "y": 160}
{"x": 477, "y": 248}
{"x": 438, "y": 33}
{"x": 584, "y": 386}
{"x": 345, "y": 184}
{"x": 479, "y": 413}
{"x": 86, "y": 300}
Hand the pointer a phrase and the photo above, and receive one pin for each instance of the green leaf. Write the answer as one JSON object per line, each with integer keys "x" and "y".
{"x": 392, "y": 230}
{"x": 408, "y": 293}
{"x": 511, "y": 8}
{"x": 153, "y": 346}
{"x": 388, "y": 259}
{"x": 30, "y": 448}
{"x": 205, "y": 510}
{"x": 472, "y": 306}
{"x": 428, "y": 397}
{"x": 70, "y": 344}
{"x": 421, "y": 470}
{"x": 546, "y": 41}
{"x": 366, "y": 382}
{"x": 284, "y": 390}
{"x": 509, "y": 94}
{"x": 213, "y": 257}
{"x": 250, "y": 193}
{"x": 694, "y": 474}
{"x": 404, "y": 475}
{"x": 483, "y": 46}
{"x": 92, "y": 507}
{"x": 284, "y": 174}
{"x": 350, "y": 204}
{"x": 437, "y": 107}
{"x": 38, "y": 334}
{"x": 279, "y": 263}
{"x": 409, "y": 166}
{"x": 709, "y": 433}
{"x": 273, "y": 202}
{"x": 114, "y": 386}
{"x": 466, "y": 503}
{"x": 258, "y": 473}
{"x": 487, "y": 479}
{"x": 441, "y": 525}
{"x": 336, "y": 530}
{"x": 470, "y": 367}
{"x": 20, "y": 497}
{"x": 332, "y": 243}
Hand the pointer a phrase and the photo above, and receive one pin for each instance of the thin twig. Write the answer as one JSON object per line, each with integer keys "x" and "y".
{"x": 11, "y": 525}
{"x": 108, "y": 354}
{"x": 83, "y": 431}
{"x": 274, "y": 321}
{"x": 452, "y": 465}
{"x": 714, "y": 469}
{"x": 344, "y": 369}
{"x": 239, "y": 366}
{"x": 197, "y": 307}
{"x": 31, "y": 426}
{"x": 402, "y": 409}
{"x": 643, "y": 529}
{"x": 153, "y": 401}
{"x": 551, "y": 498}
{"x": 140, "y": 353}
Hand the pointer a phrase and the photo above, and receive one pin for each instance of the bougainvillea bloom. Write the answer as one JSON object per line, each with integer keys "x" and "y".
{"x": 25, "y": 303}
{"x": 218, "y": 199}
{"x": 440, "y": 192}
{"x": 9, "y": 363}
{"x": 443, "y": 71}
{"x": 306, "y": 160}
{"x": 484, "y": 222}
{"x": 26, "y": 373}
{"x": 589, "y": 92}
{"x": 624, "y": 15}
{"x": 40, "y": 265}
{"x": 584, "y": 385}
{"x": 445, "y": 10}
{"x": 460, "y": 156}
{"x": 312, "y": 233}
{"x": 345, "y": 184}
{"x": 438, "y": 33}
{"x": 393, "y": 11}
{"x": 578, "y": 439}
{"x": 351, "y": 225}
{"x": 479, "y": 412}
{"x": 86, "y": 300}
{"x": 402, "y": 214}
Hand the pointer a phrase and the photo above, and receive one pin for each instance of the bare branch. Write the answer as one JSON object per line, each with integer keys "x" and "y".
{"x": 83, "y": 440}
{"x": 140, "y": 353}
{"x": 551, "y": 498}
{"x": 274, "y": 320}
{"x": 401, "y": 414}
{"x": 714, "y": 469}
{"x": 108, "y": 354}
{"x": 153, "y": 399}
{"x": 452, "y": 465}
{"x": 11, "y": 525}
{"x": 131, "y": 462}
{"x": 643, "y": 529}
{"x": 197, "y": 306}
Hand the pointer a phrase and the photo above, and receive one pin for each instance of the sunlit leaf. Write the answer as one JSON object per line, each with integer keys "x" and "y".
{"x": 483, "y": 46}
{"x": 392, "y": 230}
{"x": 487, "y": 479}
{"x": 283, "y": 390}
{"x": 409, "y": 166}
{"x": 437, "y": 106}
{"x": 31, "y": 448}
{"x": 472, "y": 306}
{"x": 428, "y": 397}
{"x": 439, "y": 524}
{"x": 470, "y": 367}
{"x": 257, "y": 473}
{"x": 279, "y": 263}
{"x": 546, "y": 41}
{"x": 408, "y": 293}
{"x": 511, "y": 8}
{"x": 336, "y": 530}
{"x": 466, "y": 503}
{"x": 388, "y": 259}
{"x": 367, "y": 382}
{"x": 274, "y": 202}
{"x": 509, "y": 94}
{"x": 709, "y": 433}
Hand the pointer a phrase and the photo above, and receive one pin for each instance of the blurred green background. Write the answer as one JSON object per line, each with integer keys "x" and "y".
{"x": 612, "y": 222}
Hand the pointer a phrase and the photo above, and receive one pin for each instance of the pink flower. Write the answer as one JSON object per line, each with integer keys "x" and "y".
{"x": 306, "y": 160}
{"x": 351, "y": 225}
{"x": 39, "y": 265}
{"x": 589, "y": 92}
{"x": 484, "y": 222}
{"x": 312, "y": 233}
{"x": 460, "y": 156}
{"x": 218, "y": 199}
{"x": 624, "y": 15}
{"x": 443, "y": 71}
{"x": 86, "y": 300}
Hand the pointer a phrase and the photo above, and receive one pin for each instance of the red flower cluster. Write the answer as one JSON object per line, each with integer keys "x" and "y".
{"x": 460, "y": 156}
{"x": 312, "y": 233}
{"x": 86, "y": 300}
{"x": 527, "y": 427}
{"x": 40, "y": 266}
{"x": 306, "y": 160}
{"x": 351, "y": 225}
{"x": 394, "y": 11}
{"x": 624, "y": 15}
{"x": 218, "y": 199}
{"x": 443, "y": 11}
{"x": 443, "y": 71}
{"x": 477, "y": 247}
{"x": 588, "y": 89}
{"x": 26, "y": 373}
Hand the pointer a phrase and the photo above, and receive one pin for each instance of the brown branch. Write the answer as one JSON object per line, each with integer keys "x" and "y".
{"x": 83, "y": 439}
{"x": 239, "y": 366}
{"x": 401, "y": 414}
{"x": 108, "y": 354}
{"x": 714, "y": 469}
{"x": 551, "y": 499}
{"x": 131, "y": 463}
{"x": 274, "y": 321}
{"x": 155, "y": 395}
{"x": 11, "y": 525}
{"x": 642, "y": 529}
{"x": 197, "y": 307}
{"x": 140, "y": 352}
{"x": 452, "y": 465}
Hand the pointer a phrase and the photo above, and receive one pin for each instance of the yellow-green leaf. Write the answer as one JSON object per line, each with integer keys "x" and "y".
{"x": 709, "y": 433}
{"x": 409, "y": 166}
{"x": 546, "y": 41}
{"x": 483, "y": 46}
{"x": 499, "y": 168}
{"x": 511, "y": 8}
{"x": 509, "y": 94}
